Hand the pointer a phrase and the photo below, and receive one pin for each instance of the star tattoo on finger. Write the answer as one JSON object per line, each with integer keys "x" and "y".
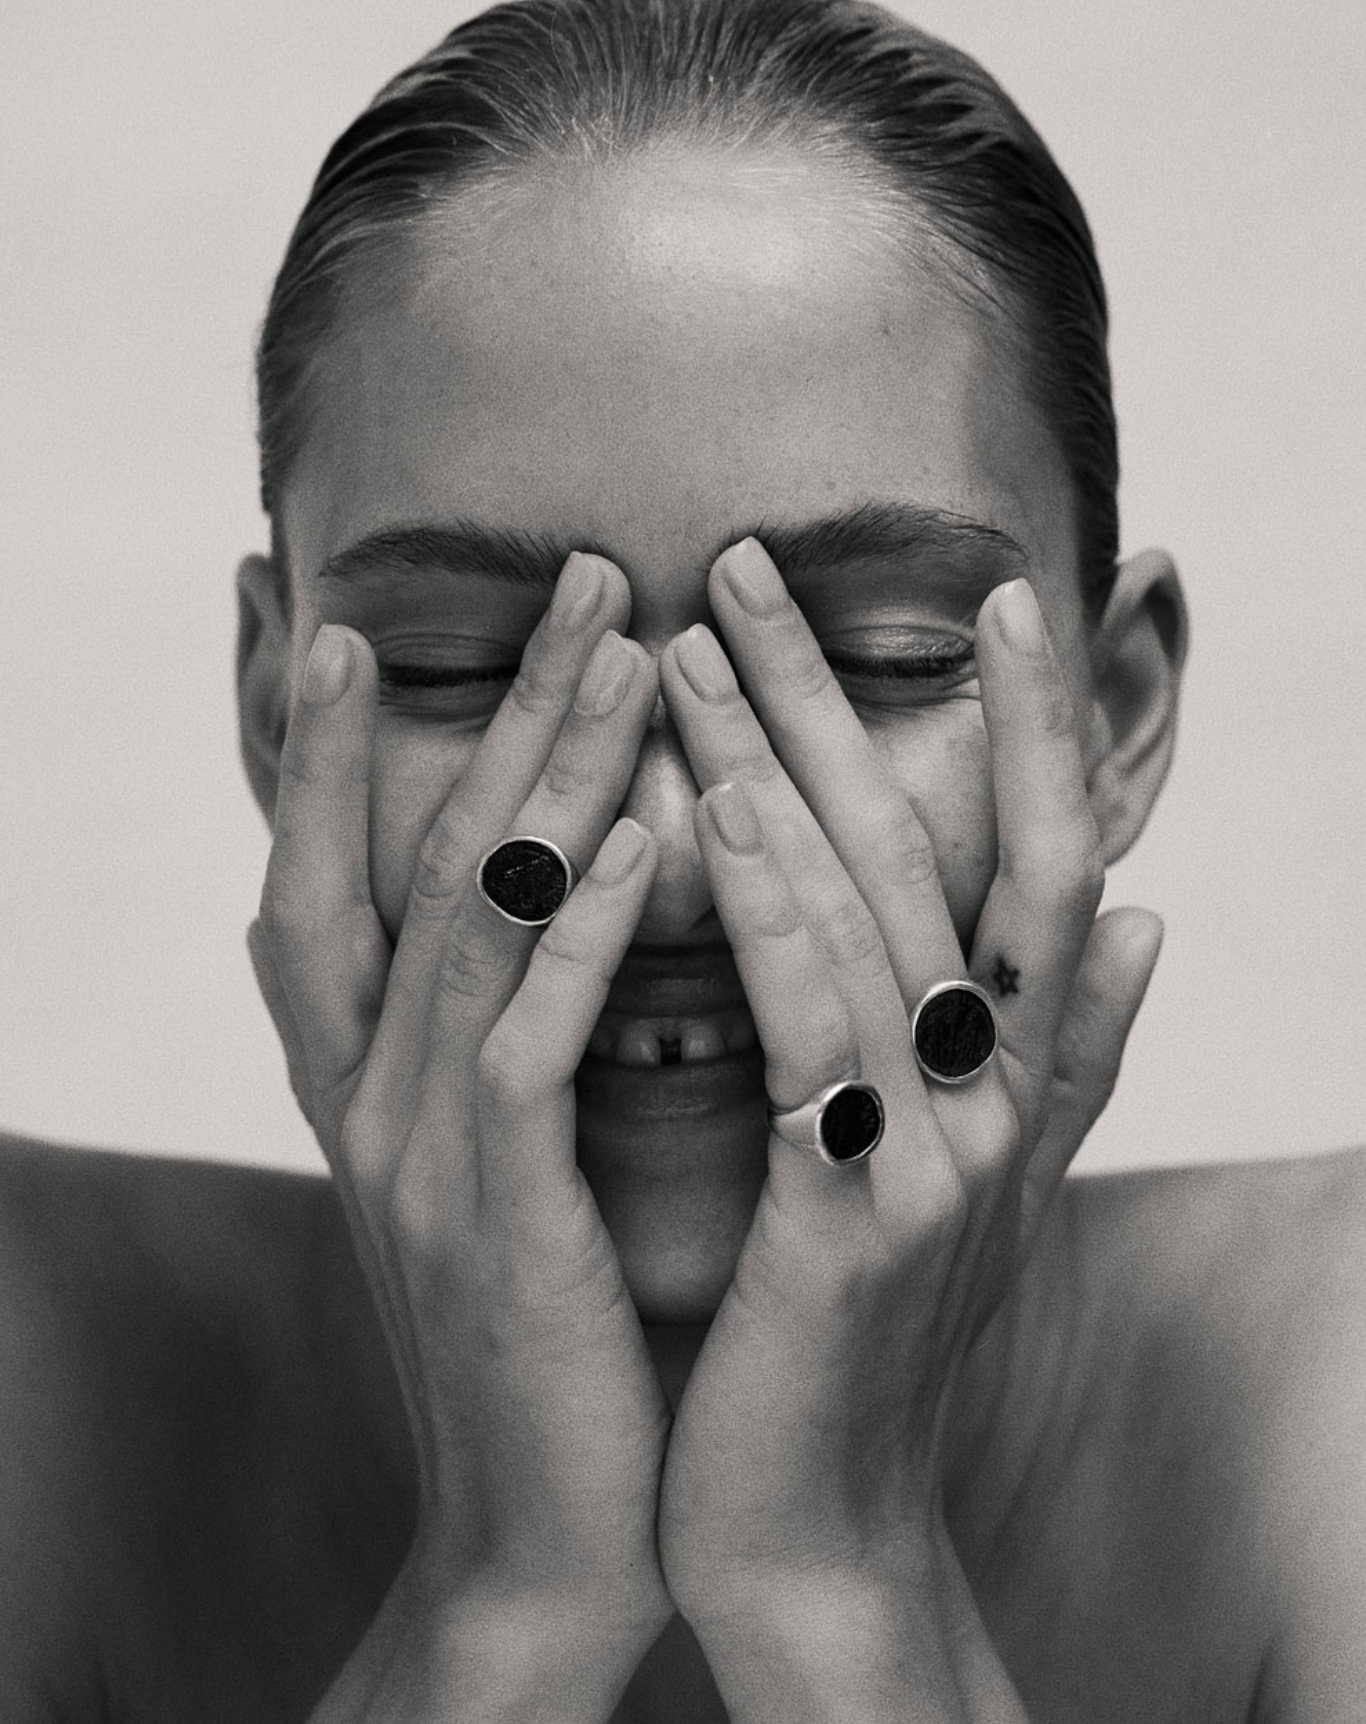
{"x": 1006, "y": 978}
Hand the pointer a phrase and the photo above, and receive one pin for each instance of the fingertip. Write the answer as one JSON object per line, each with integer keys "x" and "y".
{"x": 624, "y": 851}
{"x": 613, "y": 601}
{"x": 1141, "y": 932}
{"x": 1121, "y": 962}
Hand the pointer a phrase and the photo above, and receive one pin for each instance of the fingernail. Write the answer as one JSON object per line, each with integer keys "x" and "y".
{"x": 1017, "y": 612}
{"x": 754, "y": 583}
{"x": 605, "y": 680}
{"x": 577, "y": 592}
{"x": 733, "y": 815}
{"x": 329, "y": 667}
{"x": 705, "y": 665}
{"x": 622, "y": 848}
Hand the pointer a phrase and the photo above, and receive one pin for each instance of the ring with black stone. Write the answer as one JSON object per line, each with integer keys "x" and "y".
{"x": 526, "y": 880}
{"x": 953, "y": 1032}
{"x": 843, "y": 1124}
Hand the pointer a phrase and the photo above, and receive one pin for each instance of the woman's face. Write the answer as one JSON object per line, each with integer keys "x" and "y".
{"x": 656, "y": 361}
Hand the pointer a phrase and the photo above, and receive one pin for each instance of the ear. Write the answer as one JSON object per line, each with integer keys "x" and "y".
{"x": 264, "y": 634}
{"x": 1137, "y": 654}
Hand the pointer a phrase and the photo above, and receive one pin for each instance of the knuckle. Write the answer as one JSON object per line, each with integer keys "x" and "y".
{"x": 807, "y": 674}
{"x": 1087, "y": 885}
{"x": 564, "y": 776}
{"x": 908, "y": 845}
{"x": 299, "y": 766}
{"x": 1066, "y": 867}
{"x": 1076, "y": 870}
{"x": 775, "y": 918}
{"x": 536, "y": 690}
{"x": 505, "y": 1067}
{"x": 470, "y": 971}
{"x": 753, "y": 760}
{"x": 443, "y": 861}
{"x": 848, "y": 930}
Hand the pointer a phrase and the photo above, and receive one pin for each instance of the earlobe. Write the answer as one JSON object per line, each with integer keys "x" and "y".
{"x": 263, "y": 667}
{"x": 1138, "y": 653}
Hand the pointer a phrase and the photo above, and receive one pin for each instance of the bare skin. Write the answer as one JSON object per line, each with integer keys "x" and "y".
{"x": 209, "y": 1489}
{"x": 960, "y": 1441}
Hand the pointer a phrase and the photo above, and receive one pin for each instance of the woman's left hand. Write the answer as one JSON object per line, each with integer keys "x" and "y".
{"x": 804, "y": 1478}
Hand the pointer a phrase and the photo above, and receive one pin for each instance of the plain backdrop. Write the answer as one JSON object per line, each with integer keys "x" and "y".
{"x": 154, "y": 156}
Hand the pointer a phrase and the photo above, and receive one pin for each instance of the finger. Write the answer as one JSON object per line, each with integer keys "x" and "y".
{"x": 807, "y": 1030}
{"x": 481, "y": 806}
{"x": 1042, "y": 903}
{"x": 479, "y": 960}
{"x": 1113, "y": 978}
{"x": 328, "y": 948}
{"x": 591, "y": 594}
{"x": 277, "y": 1004}
{"x": 725, "y": 742}
{"x": 525, "y": 1068}
{"x": 835, "y": 767}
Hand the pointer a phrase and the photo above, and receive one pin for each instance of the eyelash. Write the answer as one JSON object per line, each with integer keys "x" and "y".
{"x": 926, "y": 667}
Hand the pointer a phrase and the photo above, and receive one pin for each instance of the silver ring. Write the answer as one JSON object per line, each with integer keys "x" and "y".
{"x": 526, "y": 880}
{"x": 954, "y": 1032}
{"x": 843, "y": 1124}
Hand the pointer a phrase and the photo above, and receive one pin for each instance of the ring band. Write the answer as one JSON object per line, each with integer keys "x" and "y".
{"x": 953, "y": 1032}
{"x": 843, "y": 1124}
{"x": 526, "y": 880}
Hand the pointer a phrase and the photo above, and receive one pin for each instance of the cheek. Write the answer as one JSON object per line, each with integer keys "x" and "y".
{"x": 944, "y": 769}
{"x": 413, "y": 774}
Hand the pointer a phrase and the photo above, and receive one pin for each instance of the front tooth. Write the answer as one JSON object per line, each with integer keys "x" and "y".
{"x": 638, "y": 1045}
{"x": 703, "y": 1041}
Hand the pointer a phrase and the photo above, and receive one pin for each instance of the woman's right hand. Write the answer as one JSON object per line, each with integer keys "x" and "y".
{"x": 440, "y": 1085}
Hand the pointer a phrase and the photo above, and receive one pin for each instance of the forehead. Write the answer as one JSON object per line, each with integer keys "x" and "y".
{"x": 653, "y": 356}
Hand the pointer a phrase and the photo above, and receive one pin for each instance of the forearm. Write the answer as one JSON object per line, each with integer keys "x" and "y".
{"x": 909, "y": 1649}
{"x": 481, "y": 1659}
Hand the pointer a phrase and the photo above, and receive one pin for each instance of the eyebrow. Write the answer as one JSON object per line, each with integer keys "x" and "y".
{"x": 870, "y": 532}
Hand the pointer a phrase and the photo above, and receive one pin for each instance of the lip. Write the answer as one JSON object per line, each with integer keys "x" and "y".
{"x": 677, "y": 981}
{"x": 684, "y": 1091}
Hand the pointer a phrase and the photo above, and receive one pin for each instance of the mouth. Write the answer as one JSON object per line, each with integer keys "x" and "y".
{"x": 629, "y": 1039}
{"x": 674, "y": 1005}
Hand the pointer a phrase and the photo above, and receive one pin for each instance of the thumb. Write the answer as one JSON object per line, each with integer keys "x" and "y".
{"x": 1116, "y": 967}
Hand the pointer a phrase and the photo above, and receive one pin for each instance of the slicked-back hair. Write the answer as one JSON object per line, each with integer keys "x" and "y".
{"x": 531, "y": 81}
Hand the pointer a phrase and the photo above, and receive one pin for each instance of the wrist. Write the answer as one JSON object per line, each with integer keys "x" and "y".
{"x": 825, "y": 1647}
{"x": 537, "y": 1657}
{"x": 494, "y": 1649}
{"x": 865, "y": 1645}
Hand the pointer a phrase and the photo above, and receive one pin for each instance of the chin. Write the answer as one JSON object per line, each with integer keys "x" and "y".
{"x": 677, "y": 1196}
{"x": 678, "y": 1271}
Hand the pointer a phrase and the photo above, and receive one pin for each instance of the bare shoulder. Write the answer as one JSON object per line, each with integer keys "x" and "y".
{"x": 1270, "y": 1255}
{"x": 1246, "y": 1286}
{"x": 127, "y": 1285}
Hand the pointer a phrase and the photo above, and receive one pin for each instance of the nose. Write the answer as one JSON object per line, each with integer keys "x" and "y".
{"x": 662, "y": 796}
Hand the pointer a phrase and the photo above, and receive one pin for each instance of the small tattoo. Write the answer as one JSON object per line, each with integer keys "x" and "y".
{"x": 1007, "y": 980}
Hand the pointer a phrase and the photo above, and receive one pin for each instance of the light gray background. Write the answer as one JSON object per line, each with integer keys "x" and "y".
{"x": 154, "y": 156}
